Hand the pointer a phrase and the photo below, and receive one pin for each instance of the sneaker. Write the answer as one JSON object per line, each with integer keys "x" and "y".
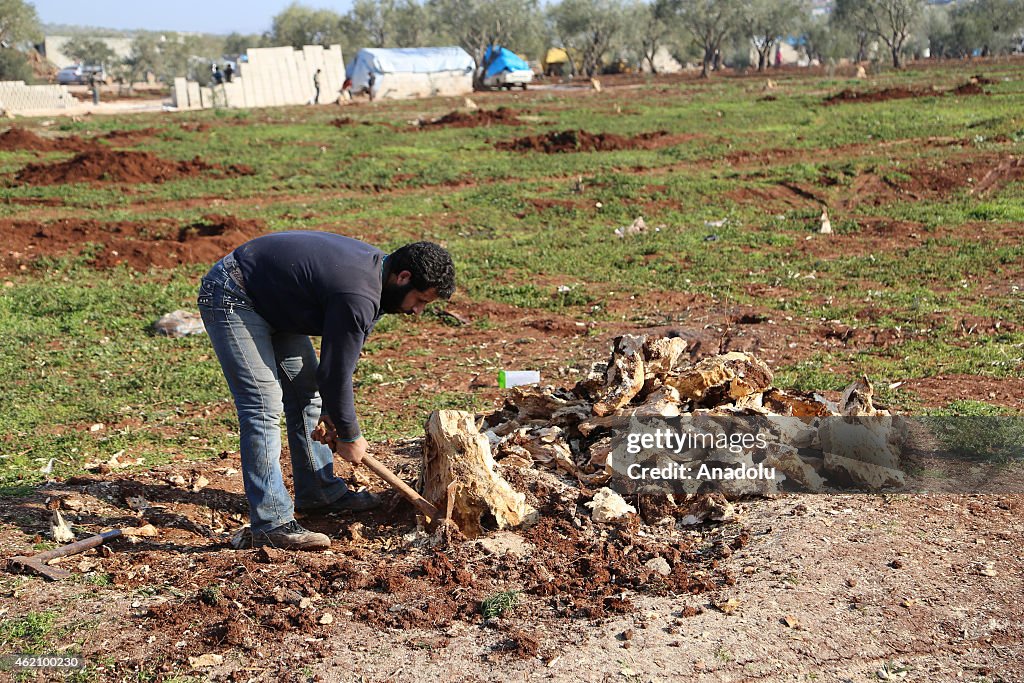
{"x": 352, "y": 501}
{"x": 291, "y": 536}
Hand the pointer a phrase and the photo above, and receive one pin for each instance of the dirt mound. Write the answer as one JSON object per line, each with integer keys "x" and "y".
{"x": 342, "y": 121}
{"x": 1006, "y": 172}
{"x": 119, "y": 167}
{"x": 154, "y": 244}
{"x": 582, "y": 141}
{"x": 502, "y": 116}
{"x": 876, "y": 95}
{"x": 971, "y": 87}
{"x": 20, "y": 139}
{"x": 129, "y": 137}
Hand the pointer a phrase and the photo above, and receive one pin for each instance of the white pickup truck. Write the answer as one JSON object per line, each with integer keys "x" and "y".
{"x": 506, "y": 70}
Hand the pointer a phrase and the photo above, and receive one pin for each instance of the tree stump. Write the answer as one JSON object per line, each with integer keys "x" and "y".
{"x": 455, "y": 452}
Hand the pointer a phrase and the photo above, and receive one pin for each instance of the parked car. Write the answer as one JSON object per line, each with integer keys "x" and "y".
{"x": 78, "y": 74}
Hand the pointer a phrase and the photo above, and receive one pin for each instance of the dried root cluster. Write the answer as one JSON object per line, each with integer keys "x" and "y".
{"x": 651, "y": 382}
{"x": 725, "y": 415}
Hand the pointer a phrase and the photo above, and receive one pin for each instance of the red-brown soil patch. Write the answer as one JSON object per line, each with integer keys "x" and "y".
{"x": 120, "y": 167}
{"x": 971, "y": 87}
{"x": 848, "y": 95}
{"x": 502, "y": 116}
{"x": 941, "y": 390}
{"x": 877, "y": 186}
{"x": 21, "y": 139}
{"x": 138, "y": 245}
{"x": 582, "y": 141}
{"x": 129, "y": 137}
{"x": 200, "y": 596}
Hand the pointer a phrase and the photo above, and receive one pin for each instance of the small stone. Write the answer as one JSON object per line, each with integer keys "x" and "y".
{"x": 660, "y": 565}
{"x": 268, "y": 555}
{"x": 327, "y": 618}
{"x": 209, "y": 659}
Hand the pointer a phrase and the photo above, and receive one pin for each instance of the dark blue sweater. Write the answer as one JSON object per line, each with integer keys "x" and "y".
{"x": 319, "y": 283}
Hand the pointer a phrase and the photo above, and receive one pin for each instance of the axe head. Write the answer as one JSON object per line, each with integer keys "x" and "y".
{"x": 36, "y": 566}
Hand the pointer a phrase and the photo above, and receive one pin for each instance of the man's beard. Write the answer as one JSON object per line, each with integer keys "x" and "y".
{"x": 392, "y": 296}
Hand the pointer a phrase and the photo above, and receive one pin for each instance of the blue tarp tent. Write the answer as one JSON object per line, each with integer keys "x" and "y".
{"x": 504, "y": 60}
{"x": 412, "y": 72}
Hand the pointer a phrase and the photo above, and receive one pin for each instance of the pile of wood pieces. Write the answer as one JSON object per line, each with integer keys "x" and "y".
{"x": 582, "y": 435}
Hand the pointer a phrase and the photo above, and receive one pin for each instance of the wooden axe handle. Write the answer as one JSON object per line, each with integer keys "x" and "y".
{"x": 381, "y": 470}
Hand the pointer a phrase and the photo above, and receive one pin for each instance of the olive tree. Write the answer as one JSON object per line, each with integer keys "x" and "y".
{"x": 765, "y": 22}
{"x": 298, "y": 25}
{"x": 650, "y": 26}
{"x": 85, "y": 50}
{"x": 19, "y": 23}
{"x": 709, "y": 23}
{"x": 387, "y": 23}
{"x": 891, "y": 21}
{"x": 587, "y": 30}
{"x": 475, "y": 25}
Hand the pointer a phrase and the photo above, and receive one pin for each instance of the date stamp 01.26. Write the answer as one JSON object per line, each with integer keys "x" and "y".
{"x": 23, "y": 662}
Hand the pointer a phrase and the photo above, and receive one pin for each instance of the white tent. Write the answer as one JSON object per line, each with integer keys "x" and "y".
{"x": 412, "y": 72}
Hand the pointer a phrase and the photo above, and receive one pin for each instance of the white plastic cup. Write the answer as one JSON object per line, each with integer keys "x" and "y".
{"x": 516, "y": 378}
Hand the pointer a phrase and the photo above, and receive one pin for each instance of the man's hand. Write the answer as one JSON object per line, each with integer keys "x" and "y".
{"x": 352, "y": 451}
{"x": 325, "y": 433}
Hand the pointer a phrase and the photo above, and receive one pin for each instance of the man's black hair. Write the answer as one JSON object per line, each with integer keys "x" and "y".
{"x": 430, "y": 264}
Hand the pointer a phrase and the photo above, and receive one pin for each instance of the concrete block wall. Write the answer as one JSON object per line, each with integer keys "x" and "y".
{"x": 16, "y": 96}
{"x": 273, "y": 76}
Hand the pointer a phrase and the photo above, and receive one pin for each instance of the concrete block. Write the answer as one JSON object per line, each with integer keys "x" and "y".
{"x": 179, "y": 93}
{"x": 233, "y": 96}
{"x": 194, "y": 99}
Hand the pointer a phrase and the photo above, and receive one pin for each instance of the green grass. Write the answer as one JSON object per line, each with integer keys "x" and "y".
{"x": 75, "y": 344}
{"x": 498, "y": 604}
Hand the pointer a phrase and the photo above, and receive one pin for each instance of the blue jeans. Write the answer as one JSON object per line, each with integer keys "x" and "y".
{"x": 268, "y": 372}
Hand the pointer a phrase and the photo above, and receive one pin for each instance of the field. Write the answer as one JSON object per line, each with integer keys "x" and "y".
{"x": 109, "y": 222}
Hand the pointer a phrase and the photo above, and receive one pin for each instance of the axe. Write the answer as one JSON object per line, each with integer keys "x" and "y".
{"x": 38, "y": 563}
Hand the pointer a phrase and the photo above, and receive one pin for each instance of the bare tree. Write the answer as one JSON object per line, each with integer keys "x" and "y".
{"x": 891, "y": 21}
{"x": 766, "y": 21}
{"x": 709, "y": 22}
